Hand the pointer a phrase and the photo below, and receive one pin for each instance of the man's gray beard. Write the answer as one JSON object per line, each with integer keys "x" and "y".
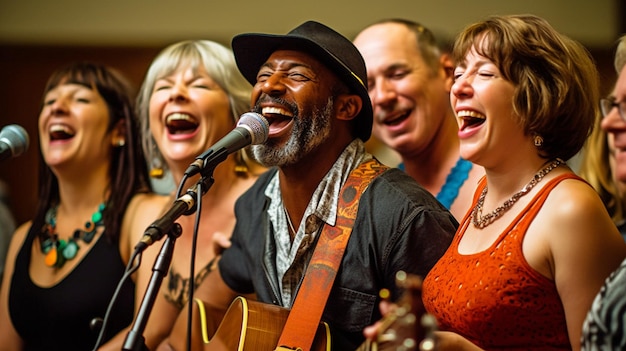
{"x": 306, "y": 135}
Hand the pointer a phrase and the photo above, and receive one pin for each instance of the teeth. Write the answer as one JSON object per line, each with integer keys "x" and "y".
{"x": 276, "y": 111}
{"x": 56, "y": 128}
{"x": 468, "y": 113}
{"x": 179, "y": 117}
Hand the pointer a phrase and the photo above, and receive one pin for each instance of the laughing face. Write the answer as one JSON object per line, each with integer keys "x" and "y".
{"x": 189, "y": 112}
{"x": 482, "y": 100}
{"x": 616, "y": 128}
{"x": 293, "y": 92}
{"x": 409, "y": 98}
{"x": 73, "y": 127}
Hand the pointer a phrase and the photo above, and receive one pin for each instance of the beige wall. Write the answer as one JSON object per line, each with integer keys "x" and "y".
{"x": 156, "y": 22}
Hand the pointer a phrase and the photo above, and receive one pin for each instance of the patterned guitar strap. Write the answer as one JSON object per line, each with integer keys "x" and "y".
{"x": 306, "y": 312}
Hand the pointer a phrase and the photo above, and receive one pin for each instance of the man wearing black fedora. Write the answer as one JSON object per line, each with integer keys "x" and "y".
{"x": 300, "y": 241}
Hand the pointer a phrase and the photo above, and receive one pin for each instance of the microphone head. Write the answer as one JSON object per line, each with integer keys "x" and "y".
{"x": 258, "y": 126}
{"x": 16, "y": 138}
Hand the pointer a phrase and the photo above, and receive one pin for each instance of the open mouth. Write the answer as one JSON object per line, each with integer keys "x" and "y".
{"x": 61, "y": 132}
{"x": 180, "y": 123}
{"x": 277, "y": 117}
{"x": 397, "y": 119}
{"x": 471, "y": 119}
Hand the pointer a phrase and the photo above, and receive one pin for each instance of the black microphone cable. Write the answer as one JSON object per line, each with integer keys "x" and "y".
{"x": 130, "y": 269}
{"x": 192, "y": 266}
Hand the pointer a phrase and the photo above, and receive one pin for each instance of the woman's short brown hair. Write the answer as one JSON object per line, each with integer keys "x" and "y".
{"x": 556, "y": 81}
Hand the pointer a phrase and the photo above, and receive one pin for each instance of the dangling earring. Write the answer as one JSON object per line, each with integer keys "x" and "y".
{"x": 156, "y": 163}
{"x": 156, "y": 171}
{"x": 538, "y": 141}
{"x": 241, "y": 167}
{"x": 119, "y": 142}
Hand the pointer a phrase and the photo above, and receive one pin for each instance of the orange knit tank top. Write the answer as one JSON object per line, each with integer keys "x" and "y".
{"x": 494, "y": 298}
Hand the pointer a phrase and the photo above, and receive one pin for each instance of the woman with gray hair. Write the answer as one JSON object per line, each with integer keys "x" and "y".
{"x": 191, "y": 97}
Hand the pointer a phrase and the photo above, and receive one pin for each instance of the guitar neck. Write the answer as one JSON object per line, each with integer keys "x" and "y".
{"x": 368, "y": 345}
{"x": 408, "y": 327}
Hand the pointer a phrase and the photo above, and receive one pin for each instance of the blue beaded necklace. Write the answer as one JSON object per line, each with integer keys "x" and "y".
{"x": 457, "y": 176}
{"x": 59, "y": 251}
{"x": 455, "y": 179}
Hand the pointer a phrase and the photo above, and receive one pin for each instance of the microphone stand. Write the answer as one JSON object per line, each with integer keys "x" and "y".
{"x": 134, "y": 339}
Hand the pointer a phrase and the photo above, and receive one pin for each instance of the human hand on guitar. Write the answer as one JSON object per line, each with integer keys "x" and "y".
{"x": 371, "y": 331}
{"x": 444, "y": 340}
{"x": 453, "y": 342}
{"x": 405, "y": 324}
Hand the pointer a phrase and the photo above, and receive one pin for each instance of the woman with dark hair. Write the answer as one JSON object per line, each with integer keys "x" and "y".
{"x": 63, "y": 266}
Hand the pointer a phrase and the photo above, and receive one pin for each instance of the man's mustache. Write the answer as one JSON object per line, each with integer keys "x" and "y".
{"x": 292, "y": 107}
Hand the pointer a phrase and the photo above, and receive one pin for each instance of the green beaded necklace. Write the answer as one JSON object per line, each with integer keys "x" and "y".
{"x": 59, "y": 251}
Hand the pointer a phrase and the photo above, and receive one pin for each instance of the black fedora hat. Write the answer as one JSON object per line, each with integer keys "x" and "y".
{"x": 331, "y": 48}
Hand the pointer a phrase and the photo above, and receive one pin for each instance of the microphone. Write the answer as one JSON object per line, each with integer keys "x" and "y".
{"x": 163, "y": 225}
{"x": 252, "y": 129}
{"x": 13, "y": 141}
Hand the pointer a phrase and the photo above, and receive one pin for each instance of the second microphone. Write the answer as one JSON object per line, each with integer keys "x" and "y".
{"x": 252, "y": 129}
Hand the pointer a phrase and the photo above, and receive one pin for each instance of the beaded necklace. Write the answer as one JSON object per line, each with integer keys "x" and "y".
{"x": 481, "y": 221}
{"x": 58, "y": 251}
{"x": 455, "y": 179}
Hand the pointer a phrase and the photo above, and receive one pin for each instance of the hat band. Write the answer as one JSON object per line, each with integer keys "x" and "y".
{"x": 359, "y": 79}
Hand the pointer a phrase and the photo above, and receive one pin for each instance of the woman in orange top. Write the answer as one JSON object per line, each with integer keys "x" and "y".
{"x": 537, "y": 244}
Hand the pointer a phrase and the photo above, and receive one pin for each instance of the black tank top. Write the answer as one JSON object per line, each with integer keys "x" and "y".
{"x": 58, "y": 317}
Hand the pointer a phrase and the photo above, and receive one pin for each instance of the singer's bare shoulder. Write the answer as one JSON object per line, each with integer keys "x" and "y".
{"x": 17, "y": 240}
{"x": 142, "y": 210}
{"x": 20, "y": 232}
{"x": 152, "y": 202}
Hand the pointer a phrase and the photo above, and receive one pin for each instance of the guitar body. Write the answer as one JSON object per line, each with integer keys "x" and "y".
{"x": 255, "y": 326}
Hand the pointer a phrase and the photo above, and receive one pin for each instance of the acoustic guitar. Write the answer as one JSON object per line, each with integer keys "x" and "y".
{"x": 408, "y": 327}
{"x": 255, "y": 326}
